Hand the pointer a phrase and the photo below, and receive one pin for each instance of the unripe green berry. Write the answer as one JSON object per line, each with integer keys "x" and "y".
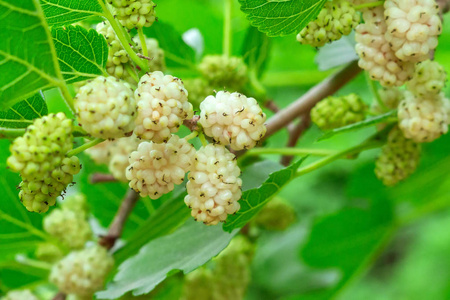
{"x": 224, "y": 72}
{"x": 276, "y": 215}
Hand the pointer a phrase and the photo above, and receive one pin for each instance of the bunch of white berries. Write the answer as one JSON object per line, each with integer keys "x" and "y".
{"x": 232, "y": 119}
{"x": 20, "y": 295}
{"x": 337, "y": 18}
{"x": 135, "y": 13}
{"x": 106, "y": 108}
{"x": 162, "y": 106}
{"x": 155, "y": 168}
{"x": 82, "y": 272}
{"x": 214, "y": 186}
{"x": 428, "y": 80}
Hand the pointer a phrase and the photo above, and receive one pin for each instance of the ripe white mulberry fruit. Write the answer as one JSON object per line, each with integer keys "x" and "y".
{"x": 135, "y": 13}
{"x": 119, "y": 152}
{"x": 155, "y": 168}
{"x": 413, "y": 28}
{"x": 335, "y": 112}
{"x": 232, "y": 119}
{"x": 398, "y": 160}
{"x": 214, "y": 186}
{"x": 423, "y": 120}
{"x": 20, "y": 295}
{"x": 82, "y": 272}
{"x": 337, "y": 18}
{"x": 106, "y": 108}
{"x": 162, "y": 106}
{"x": 71, "y": 228}
{"x": 428, "y": 80}
{"x": 375, "y": 53}
{"x": 222, "y": 71}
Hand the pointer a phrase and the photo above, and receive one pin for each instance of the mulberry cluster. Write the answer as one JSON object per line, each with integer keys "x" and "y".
{"x": 232, "y": 119}
{"x": 106, "y": 108}
{"x": 337, "y": 18}
{"x": 423, "y": 120}
{"x": 155, "y": 168}
{"x": 39, "y": 156}
{"x": 76, "y": 203}
{"x": 428, "y": 80}
{"x": 135, "y": 13}
{"x": 222, "y": 71}
{"x": 214, "y": 186}
{"x": 162, "y": 106}
{"x": 398, "y": 160}
{"x": 335, "y": 112}
{"x": 82, "y": 272}
{"x": 375, "y": 53}
{"x": 413, "y": 28}
{"x": 20, "y": 295}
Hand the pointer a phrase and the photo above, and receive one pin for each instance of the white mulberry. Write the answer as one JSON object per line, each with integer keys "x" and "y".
{"x": 155, "y": 168}
{"x": 106, "y": 108}
{"x": 375, "y": 53}
{"x": 337, "y": 18}
{"x": 423, "y": 120}
{"x": 162, "y": 106}
{"x": 428, "y": 80}
{"x": 135, "y": 13}
{"x": 20, "y": 295}
{"x": 214, "y": 186}
{"x": 82, "y": 272}
{"x": 222, "y": 71}
{"x": 233, "y": 119}
{"x": 413, "y": 28}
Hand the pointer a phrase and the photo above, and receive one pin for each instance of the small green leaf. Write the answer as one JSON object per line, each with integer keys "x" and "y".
{"x": 27, "y": 55}
{"x": 253, "y": 200}
{"x": 176, "y": 51}
{"x": 22, "y": 114}
{"x": 255, "y": 50}
{"x": 359, "y": 125}
{"x": 62, "y": 12}
{"x": 82, "y": 54}
{"x": 281, "y": 17}
{"x": 189, "y": 247}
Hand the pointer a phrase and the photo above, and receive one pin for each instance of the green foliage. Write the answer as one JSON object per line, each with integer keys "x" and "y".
{"x": 281, "y": 17}
{"x": 82, "y": 54}
{"x": 190, "y": 246}
{"x": 27, "y": 52}
{"x": 255, "y": 50}
{"x": 22, "y": 114}
{"x": 62, "y": 12}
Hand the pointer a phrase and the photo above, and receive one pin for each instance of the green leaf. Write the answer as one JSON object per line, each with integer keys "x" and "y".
{"x": 253, "y": 200}
{"x": 255, "y": 175}
{"x": 27, "y": 55}
{"x": 348, "y": 241}
{"x": 359, "y": 125}
{"x": 189, "y": 247}
{"x": 82, "y": 54}
{"x": 338, "y": 53}
{"x": 22, "y": 114}
{"x": 281, "y": 17}
{"x": 255, "y": 50}
{"x": 176, "y": 51}
{"x": 164, "y": 220}
{"x": 62, "y": 12}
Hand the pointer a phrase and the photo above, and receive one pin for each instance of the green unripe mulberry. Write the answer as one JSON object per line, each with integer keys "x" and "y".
{"x": 276, "y": 215}
{"x": 399, "y": 158}
{"x": 224, "y": 72}
{"x": 335, "y": 112}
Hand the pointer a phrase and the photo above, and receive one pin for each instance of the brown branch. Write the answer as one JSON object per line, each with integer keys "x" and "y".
{"x": 101, "y": 178}
{"x": 60, "y": 296}
{"x": 272, "y": 106}
{"x": 444, "y": 6}
{"x": 143, "y": 56}
{"x": 302, "y": 105}
{"x": 295, "y": 132}
{"x": 116, "y": 226}
{"x": 192, "y": 123}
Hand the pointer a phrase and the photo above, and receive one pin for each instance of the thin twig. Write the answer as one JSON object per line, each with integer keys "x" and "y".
{"x": 116, "y": 227}
{"x": 295, "y": 132}
{"x": 272, "y": 106}
{"x": 143, "y": 56}
{"x": 192, "y": 123}
{"x": 60, "y": 296}
{"x": 101, "y": 178}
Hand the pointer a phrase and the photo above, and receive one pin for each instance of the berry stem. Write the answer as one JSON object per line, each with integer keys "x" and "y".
{"x": 191, "y": 135}
{"x": 101, "y": 178}
{"x": 132, "y": 72}
{"x": 227, "y": 27}
{"x": 374, "y": 91}
{"x": 369, "y": 5}
{"x": 289, "y": 151}
{"x": 122, "y": 37}
{"x": 6, "y": 133}
{"x": 143, "y": 44}
{"x": 84, "y": 147}
{"x": 259, "y": 89}
{"x": 67, "y": 96}
{"x": 202, "y": 138}
{"x": 24, "y": 260}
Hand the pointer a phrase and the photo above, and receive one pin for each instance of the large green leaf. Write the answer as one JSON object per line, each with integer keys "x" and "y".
{"x": 176, "y": 51}
{"x": 27, "y": 56}
{"x": 61, "y": 12}
{"x": 22, "y": 114}
{"x": 189, "y": 247}
{"x": 255, "y": 50}
{"x": 82, "y": 54}
{"x": 253, "y": 200}
{"x": 281, "y": 17}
